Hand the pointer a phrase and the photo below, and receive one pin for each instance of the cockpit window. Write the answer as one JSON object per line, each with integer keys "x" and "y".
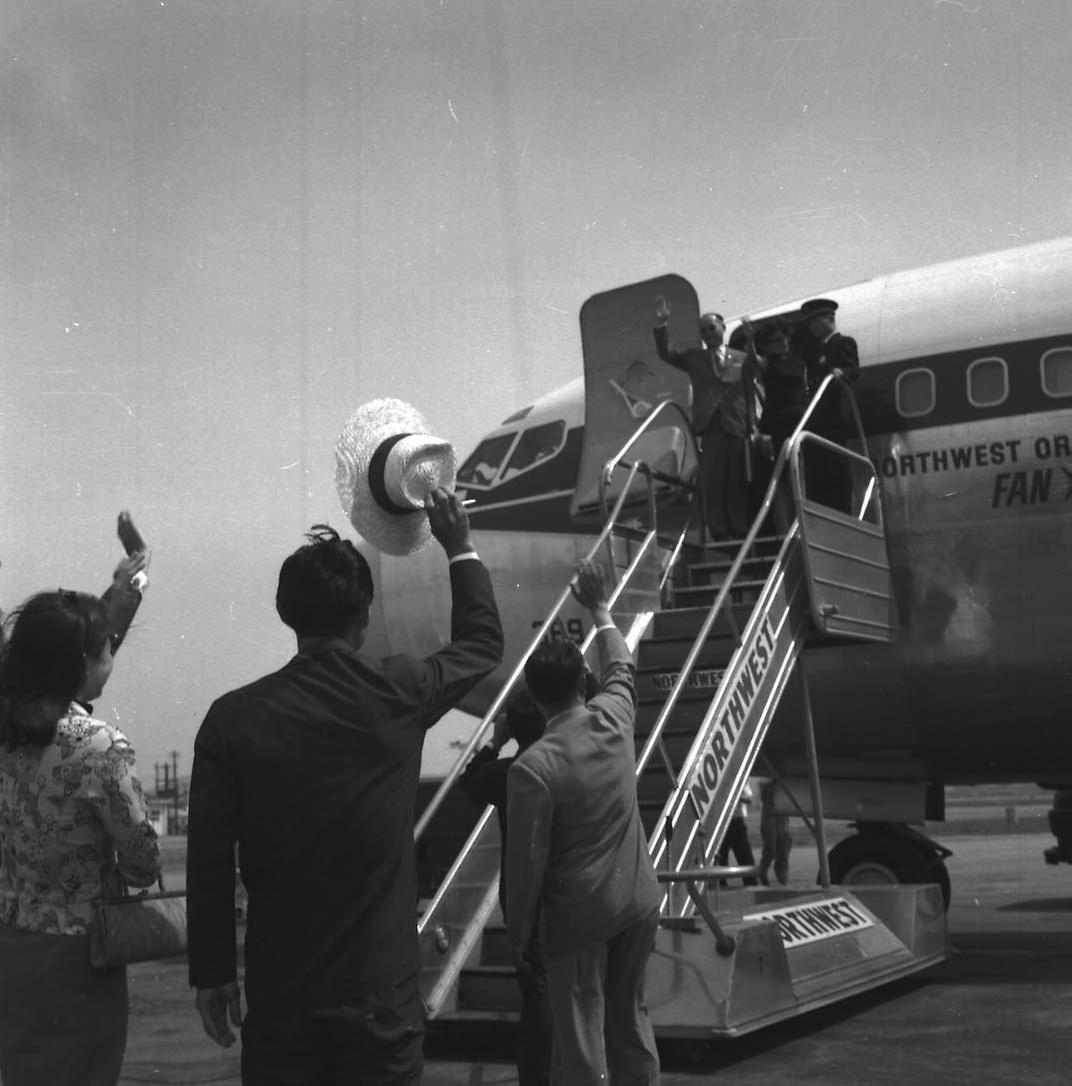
{"x": 1057, "y": 372}
{"x": 483, "y": 465}
{"x": 536, "y": 445}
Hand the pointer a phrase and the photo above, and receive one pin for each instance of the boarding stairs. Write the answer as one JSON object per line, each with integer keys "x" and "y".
{"x": 717, "y": 633}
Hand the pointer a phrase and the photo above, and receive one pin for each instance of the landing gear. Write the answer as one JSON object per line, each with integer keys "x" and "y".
{"x": 885, "y": 854}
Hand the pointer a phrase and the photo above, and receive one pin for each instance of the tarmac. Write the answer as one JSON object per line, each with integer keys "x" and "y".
{"x": 996, "y": 1012}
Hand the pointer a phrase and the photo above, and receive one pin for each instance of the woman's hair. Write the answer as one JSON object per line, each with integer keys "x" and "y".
{"x": 525, "y": 721}
{"x": 770, "y": 329}
{"x": 323, "y": 585}
{"x": 43, "y": 662}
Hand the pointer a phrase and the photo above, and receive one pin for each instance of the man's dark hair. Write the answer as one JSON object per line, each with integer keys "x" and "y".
{"x": 555, "y": 673}
{"x": 523, "y": 717}
{"x": 324, "y": 585}
{"x": 43, "y": 663}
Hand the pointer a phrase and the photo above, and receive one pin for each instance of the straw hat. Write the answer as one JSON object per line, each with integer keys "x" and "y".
{"x": 386, "y": 464}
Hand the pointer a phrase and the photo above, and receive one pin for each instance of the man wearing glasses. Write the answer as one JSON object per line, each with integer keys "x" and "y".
{"x": 720, "y": 416}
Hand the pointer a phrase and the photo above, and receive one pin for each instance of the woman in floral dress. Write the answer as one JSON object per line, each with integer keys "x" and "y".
{"x": 71, "y": 811}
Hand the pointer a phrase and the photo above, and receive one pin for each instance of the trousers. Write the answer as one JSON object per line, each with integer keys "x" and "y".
{"x": 377, "y": 1040}
{"x": 599, "y": 1017}
{"x": 62, "y": 1022}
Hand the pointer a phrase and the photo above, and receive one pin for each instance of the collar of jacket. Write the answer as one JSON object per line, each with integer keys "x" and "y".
{"x": 309, "y": 647}
{"x": 560, "y": 719}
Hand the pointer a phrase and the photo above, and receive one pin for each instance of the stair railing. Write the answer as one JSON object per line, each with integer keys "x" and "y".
{"x": 619, "y": 462}
{"x": 611, "y": 515}
{"x": 500, "y": 699}
{"x": 440, "y": 905}
{"x": 777, "y": 472}
{"x": 441, "y": 901}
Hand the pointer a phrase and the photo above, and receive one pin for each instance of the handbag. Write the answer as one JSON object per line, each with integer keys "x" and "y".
{"x": 138, "y": 927}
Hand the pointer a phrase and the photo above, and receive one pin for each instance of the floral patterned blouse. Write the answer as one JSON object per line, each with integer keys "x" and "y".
{"x": 66, "y": 811}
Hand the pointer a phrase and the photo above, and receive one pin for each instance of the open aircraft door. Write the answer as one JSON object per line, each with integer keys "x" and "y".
{"x": 624, "y": 380}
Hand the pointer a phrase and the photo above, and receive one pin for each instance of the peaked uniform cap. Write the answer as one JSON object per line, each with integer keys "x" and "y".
{"x": 818, "y": 307}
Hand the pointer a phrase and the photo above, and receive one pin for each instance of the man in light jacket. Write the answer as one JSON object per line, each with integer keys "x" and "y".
{"x": 577, "y": 850}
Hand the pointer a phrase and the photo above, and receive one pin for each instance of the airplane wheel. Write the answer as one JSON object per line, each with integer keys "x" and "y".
{"x": 872, "y": 860}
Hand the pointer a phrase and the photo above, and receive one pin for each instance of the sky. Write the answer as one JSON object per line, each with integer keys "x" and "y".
{"x": 226, "y": 226}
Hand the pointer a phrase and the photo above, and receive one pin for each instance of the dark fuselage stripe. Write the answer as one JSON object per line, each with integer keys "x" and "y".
{"x": 546, "y": 489}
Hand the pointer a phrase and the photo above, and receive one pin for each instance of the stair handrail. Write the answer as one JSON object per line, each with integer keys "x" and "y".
{"x": 504, "y": 692}
{"x": 610, "y": 520}
{"x": 430, "y": 914}
{"x": 777, "y": 472}
{"x": 616, "y": 461}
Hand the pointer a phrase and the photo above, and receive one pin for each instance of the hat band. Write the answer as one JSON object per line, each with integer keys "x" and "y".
{"x": 376, "y": 477}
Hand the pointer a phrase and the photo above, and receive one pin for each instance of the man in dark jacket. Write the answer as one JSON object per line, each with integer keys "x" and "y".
{"x": 484, "y": 781}
{"x": 828, "y": 475}
{"x": 313, "y": 771}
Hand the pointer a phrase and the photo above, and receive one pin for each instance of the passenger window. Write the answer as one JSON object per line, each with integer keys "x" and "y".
{"x": 536, "y": 445}
{"x": 1057, "y": 372}
{"x": 482, "y": 467}
{"x": 915, "y": 393}
{"x": 988, "y": 382}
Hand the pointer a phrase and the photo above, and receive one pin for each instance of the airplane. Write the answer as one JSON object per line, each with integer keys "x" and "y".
{"x": 965, "y": 395}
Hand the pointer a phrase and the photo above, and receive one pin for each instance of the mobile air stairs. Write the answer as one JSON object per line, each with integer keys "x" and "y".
{"x": 711, "y": 668}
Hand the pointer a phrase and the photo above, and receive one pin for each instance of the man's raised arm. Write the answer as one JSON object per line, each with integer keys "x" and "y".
{"x": 616, "y": 670}
{"x": 476, "y": 637}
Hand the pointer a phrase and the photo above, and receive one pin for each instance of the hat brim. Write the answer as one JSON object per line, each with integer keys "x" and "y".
{"x": 392, "y": 532}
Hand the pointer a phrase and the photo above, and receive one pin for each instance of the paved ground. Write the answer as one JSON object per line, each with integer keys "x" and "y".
{"x": 996, "y": 1013}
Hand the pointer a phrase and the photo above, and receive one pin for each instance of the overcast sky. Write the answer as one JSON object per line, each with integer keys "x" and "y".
{"x": 226, "y": 225}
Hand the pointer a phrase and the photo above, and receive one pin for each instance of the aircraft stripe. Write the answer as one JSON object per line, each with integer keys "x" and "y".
{"x": 547, "y": 509}
{"x": 542, "y": 496}
{"x": 876, "y": 389}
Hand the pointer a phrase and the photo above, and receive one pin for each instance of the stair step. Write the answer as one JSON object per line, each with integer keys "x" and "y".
{"x": 493, "y": 948}
{"x": 489, "y": 987}
{"x": 688, "y": 713}
{"x": 677, "y": 745}
{"x": 740, "y": 587}
{"x": 720, "y": 564}
{"x": 686, "y": 622}
{"x": 667, "y": 653}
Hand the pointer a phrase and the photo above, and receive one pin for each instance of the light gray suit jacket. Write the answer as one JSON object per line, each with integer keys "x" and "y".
{"x": 576, "y": 847}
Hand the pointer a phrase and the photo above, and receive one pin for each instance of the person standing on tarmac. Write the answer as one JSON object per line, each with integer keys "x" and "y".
{"x": 774, "y": 831}
{"x": 577, "y": 852}
{"x": 736, "y": 839}
{"x": 313, "y": 770}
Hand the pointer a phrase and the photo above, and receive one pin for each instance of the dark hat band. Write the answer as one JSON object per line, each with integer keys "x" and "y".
{"x": 376, "y": 478}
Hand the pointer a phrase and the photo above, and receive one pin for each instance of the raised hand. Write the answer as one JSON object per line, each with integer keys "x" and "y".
{"x": 449, "y": 521}
{"x": 588, "y": 585}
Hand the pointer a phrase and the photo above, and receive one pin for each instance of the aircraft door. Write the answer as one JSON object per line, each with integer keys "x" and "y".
{"x": 624, "y": 380}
